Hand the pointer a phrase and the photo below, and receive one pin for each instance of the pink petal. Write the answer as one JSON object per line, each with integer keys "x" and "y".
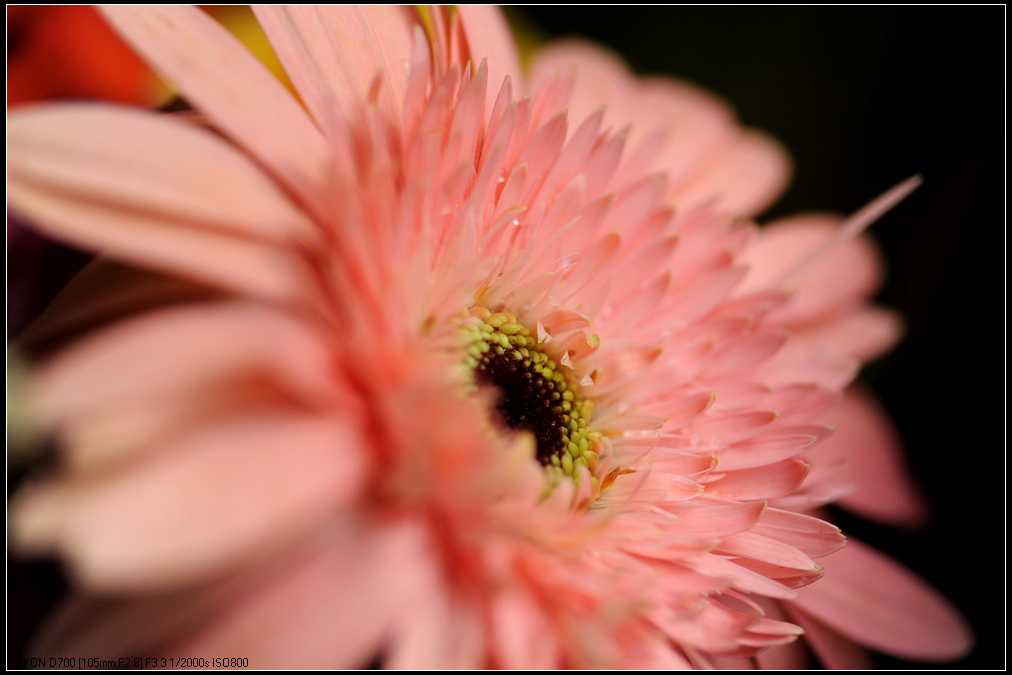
{"x": 792, "y": 656}
{"x": 687, "y": 408}
{"x": 697, "y": 126}
{"x": 393, "y": 27}
{"x": 136, "y": 160}
{"x": 834, "y": 651}
{"x": 765, "y": 549}
{"x": 862, "y": 333}
{"x": 744, "y": 355}
{"x": 780, "y": 442}
{"x": 647, "y": 262}
{"x": 132, "y": 427}
{"x": 601, "y": 77}
{"x": 718, "y": 520}
{"x": 746, "y": 179}
{"x": 845, "y": 275}
{"x": 334, "y": 53}
{"x": 767, "y": 632}
{"x": 542, "y": 151}
{"x": 440, "y": 631}
{"x": 521, "y": 635}
{"x": 656, "y": 488}
{"x": 715, "y": 628}
{"x": 732, "y": 427}
{"x": 885, "y": 491}
{"x": 743, "y": 579}
{"x": 800, "y": 402}
{"x": 225, "y": 261}
{"x": 177, "y": 351}
{"x": 594, "y": 263}
{"x": 574, "y": 158}
{"x": 204, "y": 502}
{"x": 293, "y": 620}
{"x": 813, "y": 536}
{"x": 550, "y": 97}
{"x": 223, "y": 80}
{"x": 489, "y": 37}
{"x": 675, "y": 127}
{"x": 689, "y": 304}
{"x": 632, "y": 207}
{"x": 873, "y": 600}
{"x": 764, "y": 482}
{"x": 791, "y": 577}
{"x": 804, "y": 360}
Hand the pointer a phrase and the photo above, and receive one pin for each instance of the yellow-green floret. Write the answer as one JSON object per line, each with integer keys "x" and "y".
{"x": 534, "y": 393}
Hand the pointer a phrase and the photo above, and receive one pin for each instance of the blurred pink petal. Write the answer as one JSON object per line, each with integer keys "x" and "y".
{"x": 291, "y": 620}
{"x": 686, "y": 132}
{"x": 746, "y": 178}
{"x": 884, "y": 490}
{"x": 845, "y": 275}
{"x": 871, "y": 599}
{"x": 180, "y": 350}
{"x": 196, "y": 505}
{"x": 149, "y": 239}
{"x": 333, "y": 53}
{"x": 833, "y": 650}
{"x": 228, "y": 84}
{"x": 93, "y": 149}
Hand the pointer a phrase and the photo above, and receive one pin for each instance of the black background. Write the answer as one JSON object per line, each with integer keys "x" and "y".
{"x": 865, "y": 97}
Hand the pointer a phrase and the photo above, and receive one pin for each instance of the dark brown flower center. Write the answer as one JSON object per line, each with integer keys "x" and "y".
{"x": 533, "y": 393}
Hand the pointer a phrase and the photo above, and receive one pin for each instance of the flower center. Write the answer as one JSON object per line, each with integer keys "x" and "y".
{"x": 533, "y": 393}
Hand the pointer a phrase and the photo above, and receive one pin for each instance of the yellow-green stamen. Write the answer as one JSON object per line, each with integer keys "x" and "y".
{"x": 535, "y": 393}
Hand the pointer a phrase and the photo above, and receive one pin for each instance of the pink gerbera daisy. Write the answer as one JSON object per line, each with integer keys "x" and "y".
{"x": 438, "y": 366}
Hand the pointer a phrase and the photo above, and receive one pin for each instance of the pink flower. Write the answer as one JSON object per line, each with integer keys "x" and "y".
{"x": 430, "y": 371}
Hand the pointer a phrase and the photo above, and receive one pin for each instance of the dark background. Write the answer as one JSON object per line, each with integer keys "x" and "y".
{"x": 865, "y": 97}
